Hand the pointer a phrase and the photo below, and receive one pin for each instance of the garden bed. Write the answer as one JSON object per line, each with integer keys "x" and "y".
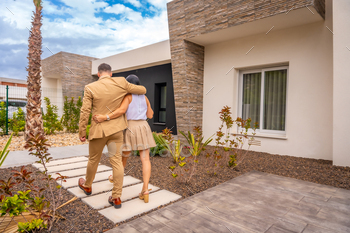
{"x": 83, "y": 219}
{"x": 313, "y": 170}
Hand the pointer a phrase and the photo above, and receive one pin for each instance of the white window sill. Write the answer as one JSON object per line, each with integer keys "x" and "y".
{"x": 263, "y": 135}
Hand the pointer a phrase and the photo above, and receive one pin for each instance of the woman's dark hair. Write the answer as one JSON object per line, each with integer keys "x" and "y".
{"x": 133, "y": 79}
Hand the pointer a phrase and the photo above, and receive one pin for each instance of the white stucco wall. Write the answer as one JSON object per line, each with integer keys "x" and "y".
{"x": 151, "y": 55}
{"x": 341, "y": 82}
{"x": 52, "y": 88}
{"x": 308, "y": 51}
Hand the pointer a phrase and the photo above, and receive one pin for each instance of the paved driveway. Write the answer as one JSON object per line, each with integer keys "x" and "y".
{"x": 254, "y": 202}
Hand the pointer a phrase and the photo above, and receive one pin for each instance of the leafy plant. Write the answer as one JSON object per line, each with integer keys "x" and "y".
{"x": 34, "y": 224}
{"x": 88, "y": 131}
{"x": 166, "y": 140}
{"x": 4, "y": 152}
{"x": 18, "y": 122}
{"x": 71, "y": 114}
{"x": 2, "y": 117}
{"x": 51, "y": 122}
{"x": 7, "y": 186}
{"x": 37, "y": 146}
{"x": 186, "y": 168}
{"x": 16, "y": 205}
{"x": 231, "y": 143}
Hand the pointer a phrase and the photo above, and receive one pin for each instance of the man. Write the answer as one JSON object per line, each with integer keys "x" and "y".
{"x": 103, "y": 97}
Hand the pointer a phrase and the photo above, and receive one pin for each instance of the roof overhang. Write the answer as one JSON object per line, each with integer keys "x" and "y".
{"x": 151, "y": 55}
{"x": 297, "y": 17}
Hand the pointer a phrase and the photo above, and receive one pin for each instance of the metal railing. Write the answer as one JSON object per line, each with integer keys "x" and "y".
{"x": 12, "y": 98}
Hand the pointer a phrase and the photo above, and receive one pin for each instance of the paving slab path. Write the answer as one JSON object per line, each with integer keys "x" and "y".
{"x": 253, "y": 202}
{"x": 75, "y": 168}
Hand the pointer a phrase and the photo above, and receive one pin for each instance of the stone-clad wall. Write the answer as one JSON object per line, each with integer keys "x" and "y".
{"x": 74, "y": 71}
{"x": 189, "y": 18}
{"x": 73, "y": 83}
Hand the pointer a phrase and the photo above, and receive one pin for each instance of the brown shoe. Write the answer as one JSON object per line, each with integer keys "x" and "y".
{"x": 86, "y": 190}
{"x": 116, "y": 202}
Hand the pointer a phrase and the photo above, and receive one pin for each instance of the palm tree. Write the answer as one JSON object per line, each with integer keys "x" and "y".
{"x": 34, "y": 122}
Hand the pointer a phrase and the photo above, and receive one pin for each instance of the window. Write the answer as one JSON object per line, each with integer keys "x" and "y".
{"x": 263, "y": 98}
{"x": 160, "y": 102}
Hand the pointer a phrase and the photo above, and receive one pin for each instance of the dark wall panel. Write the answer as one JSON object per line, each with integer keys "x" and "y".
{"x": 150, "y": 77}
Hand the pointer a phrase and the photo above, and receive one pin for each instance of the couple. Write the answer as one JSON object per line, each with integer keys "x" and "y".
{"x": 109, "y": 98}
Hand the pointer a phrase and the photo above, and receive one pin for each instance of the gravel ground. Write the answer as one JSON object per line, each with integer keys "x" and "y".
{"x": 82, "y": 219}
{"x": 57, "y": 140}
{"x": 313, "y": 170}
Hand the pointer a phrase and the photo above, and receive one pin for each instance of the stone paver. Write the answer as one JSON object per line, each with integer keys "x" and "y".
{"x": 136, "y": 206}
{"x": 100, "y": 201}
{"x": 100, "y": 176}
{"x": 253, "y": 202}
{"x": 64, "y": 167}
{"x": 103, "y": 186}
{"x": 81, "y": 171}
{"x": 62, "y": 161}
{"x": 101, "y": 190}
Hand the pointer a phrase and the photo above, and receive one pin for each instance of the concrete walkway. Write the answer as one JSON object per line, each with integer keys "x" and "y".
{"x": 254, "y": 202}
{"x": 75, "y": 168}
{"x": 19, "y": 158}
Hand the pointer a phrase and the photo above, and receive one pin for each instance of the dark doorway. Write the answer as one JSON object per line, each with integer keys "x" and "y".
{"x": 159, "y": 83}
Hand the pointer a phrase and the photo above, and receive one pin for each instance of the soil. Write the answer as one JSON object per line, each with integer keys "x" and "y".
{"x": 79, "y": 216}
{"x": 313, "y": 170}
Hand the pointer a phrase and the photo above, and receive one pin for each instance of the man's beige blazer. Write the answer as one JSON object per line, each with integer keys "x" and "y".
{"x": 104, "y": 96}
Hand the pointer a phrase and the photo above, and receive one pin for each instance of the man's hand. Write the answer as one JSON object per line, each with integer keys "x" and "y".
{"x": 99, "y": 118}
{"x": 83, "y": 139}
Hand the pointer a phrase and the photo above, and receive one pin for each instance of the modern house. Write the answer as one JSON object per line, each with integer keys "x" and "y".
{"x": 152, "y": 64}
{"x": 283, "y": 63}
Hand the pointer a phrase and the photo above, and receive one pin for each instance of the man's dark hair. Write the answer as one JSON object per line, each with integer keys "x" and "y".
{"x": 133, "y": 79}
{"x": 104, "y": 68}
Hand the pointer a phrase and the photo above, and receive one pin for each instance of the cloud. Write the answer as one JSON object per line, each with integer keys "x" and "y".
{"x": 135, "y": 3}
{"x": 126, "y": 12}
{"x": 160, "y": 4}
{"x": 87, "y": 27}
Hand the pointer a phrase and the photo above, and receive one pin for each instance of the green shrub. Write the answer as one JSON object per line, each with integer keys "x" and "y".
{"x": 71, "y": 114}
{"x": 2, "y": 117}
{"x": 88, "y": 131}
{"x": 157, "y": 150}
{"x": 35, "y": 224}
{"x": 17, "y": 122}
{"x": 51, "y": 122}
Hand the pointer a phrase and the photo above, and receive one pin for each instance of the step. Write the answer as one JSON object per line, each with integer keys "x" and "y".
{"x": 62, "y": 161}
{"x": 136, "y": 206}
{"x": 101, "y": 200}
{"x": 102, "y": 186}
{"x": 71, "y": 182}
{"x": 81, "y": 171}
{"x": 64, "y": 167}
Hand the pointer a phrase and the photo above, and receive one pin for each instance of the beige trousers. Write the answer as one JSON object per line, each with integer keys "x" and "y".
{"x": 114, "y": 143}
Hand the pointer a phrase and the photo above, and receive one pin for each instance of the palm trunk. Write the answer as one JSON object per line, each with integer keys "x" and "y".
{"x": 34, "y": 122}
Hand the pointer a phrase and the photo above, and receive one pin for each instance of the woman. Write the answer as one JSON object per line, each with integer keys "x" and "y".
{"x": 138, "y": 135}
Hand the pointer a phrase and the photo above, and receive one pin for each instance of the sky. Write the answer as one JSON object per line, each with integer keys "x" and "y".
{"x": 97, "y": 28}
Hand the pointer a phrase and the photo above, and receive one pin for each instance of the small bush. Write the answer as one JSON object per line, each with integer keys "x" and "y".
{"x": 17, "y": 122}
{"x": 2, "y": 117}
{"x": 88, "y": 131}
{"x": 51, "y": 122}
{"x": 35, "y": 224}
{"x": 71, "y": 114}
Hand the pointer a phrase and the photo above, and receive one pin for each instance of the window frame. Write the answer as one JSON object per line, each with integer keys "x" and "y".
{"x": 260, "y": 130}
{"x": 157, "y": 107}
